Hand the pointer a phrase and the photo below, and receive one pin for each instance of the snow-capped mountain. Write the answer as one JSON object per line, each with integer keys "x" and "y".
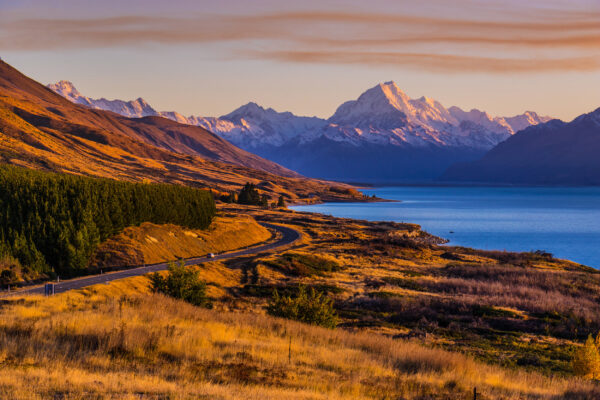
{"x": 132, "y": 109}
{"x": 384, "y": 114}
{"x": 252, "y": 126}
{"x": 383, "y": 120}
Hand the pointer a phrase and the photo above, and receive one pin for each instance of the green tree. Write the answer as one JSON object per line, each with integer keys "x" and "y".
{"x": 281, "y": 202}
{"x": 181, "y": 283}
{"x": 311, "y": 307}
{"x": 264, "y": 201}
{"x": 51, "y": 223}
{"x": 249, "y": 195}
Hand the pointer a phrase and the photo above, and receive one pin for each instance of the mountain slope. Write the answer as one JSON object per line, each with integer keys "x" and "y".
{"x": 169, "y": 135}
{"x": 552, "y": 153}
{"x": 41, "y": 129}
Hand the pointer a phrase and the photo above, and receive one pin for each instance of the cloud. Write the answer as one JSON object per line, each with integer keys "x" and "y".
{"x": 433, "y": 43}
{"x": 435, "y": 62}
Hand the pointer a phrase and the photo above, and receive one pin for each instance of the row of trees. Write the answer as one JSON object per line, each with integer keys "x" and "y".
{"x": 53, "y": 222}
{"x": 249, "y": 195}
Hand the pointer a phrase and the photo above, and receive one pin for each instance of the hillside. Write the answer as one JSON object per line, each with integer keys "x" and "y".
{"x": 34, "y": 106}
{"x": 554, "y": 153}
{"x": 150, "y": 243}
{"x": 42, "y": 130}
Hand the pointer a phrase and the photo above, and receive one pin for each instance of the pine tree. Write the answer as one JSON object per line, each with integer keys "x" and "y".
{"x": 53, "y": 222}
{"x": 249, "y": 195}
{"x": 264, "y": 201}
{"x": 281, "y": 202}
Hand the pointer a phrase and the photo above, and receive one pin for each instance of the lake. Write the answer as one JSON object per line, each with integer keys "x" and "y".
{"x": 562, "y": 221}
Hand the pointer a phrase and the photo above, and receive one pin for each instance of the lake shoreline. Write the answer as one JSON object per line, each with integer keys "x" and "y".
{"x": 557, "y": 220}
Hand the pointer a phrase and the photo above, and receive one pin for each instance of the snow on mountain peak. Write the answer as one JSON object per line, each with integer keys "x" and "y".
{"x": 387, "y": 106}
{"x": 528, "y": 118}
{"x": 133, "y": 109}
{"x": 393, "y": 93}
{"x": 256, "y": 126}
{"x": 383, "y": 105}
{"x": 382, "y": 115}
{"x": 249, "y": 110}
{"x": 66, "y": 89}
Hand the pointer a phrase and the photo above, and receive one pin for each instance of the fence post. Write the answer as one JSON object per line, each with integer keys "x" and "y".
{"x": 49, "y": 289}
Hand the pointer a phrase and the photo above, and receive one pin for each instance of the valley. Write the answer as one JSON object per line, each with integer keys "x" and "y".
{"x": 151, "y": 255}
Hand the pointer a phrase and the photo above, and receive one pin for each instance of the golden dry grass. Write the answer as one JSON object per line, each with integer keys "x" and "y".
{"x": 520, "y": 311}
{"x": 150, "y": 243}
{"x": 120, "y": 341}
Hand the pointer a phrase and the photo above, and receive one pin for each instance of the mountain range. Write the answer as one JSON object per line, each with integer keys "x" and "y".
{"x": 554, "y": 153}
{"x": 41, "y": 129}
{"x": 382, "y": 136}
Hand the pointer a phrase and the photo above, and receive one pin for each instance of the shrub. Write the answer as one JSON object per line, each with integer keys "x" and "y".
{"x": 404, "y": 283}
{"x": 281, "y": 202}
{"x": 264, "y": 201}
{"x": 587, "y": 359}
{"x": 228, "y": 198}
{"x": 347, "y": 191}
{"x": 8, "y": 277}
{"x": 312, "y": 307}
{"x": 181, "y": 283}
{"x": 303, "y": 265}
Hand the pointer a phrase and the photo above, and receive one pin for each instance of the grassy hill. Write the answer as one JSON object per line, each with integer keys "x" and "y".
{"x": 120, "y": 341}
{"x": 150, "y": 243}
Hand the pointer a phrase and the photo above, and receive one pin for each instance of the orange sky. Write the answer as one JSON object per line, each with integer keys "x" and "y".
{"x": 207, "y": 58}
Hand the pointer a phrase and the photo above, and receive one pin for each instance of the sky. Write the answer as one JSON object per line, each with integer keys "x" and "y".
{"x": 207, "y": 58}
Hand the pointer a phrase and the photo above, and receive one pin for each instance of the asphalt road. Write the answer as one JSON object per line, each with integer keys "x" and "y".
{"x": 288, "y": 236}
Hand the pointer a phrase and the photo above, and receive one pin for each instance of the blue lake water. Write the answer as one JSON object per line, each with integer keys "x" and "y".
{"x": 562, "y": 221}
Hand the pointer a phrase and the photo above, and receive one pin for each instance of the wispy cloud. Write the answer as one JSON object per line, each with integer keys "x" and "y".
{"x": 435, "y": 62}
{"x": 556, "y": 40}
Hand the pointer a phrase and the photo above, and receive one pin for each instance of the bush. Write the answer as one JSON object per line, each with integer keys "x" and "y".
{"x": 8, "y": 277}
{"x": 228, "y": 198}
{"x": 181, "y": 283}
{"x": 587, "y": 359}
{"x": 311, "y": 307}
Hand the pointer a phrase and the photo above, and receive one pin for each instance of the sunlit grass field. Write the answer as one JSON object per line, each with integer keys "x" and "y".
{"x": 122, "y": 341}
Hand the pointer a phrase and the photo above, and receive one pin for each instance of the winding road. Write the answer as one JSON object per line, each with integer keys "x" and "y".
{"x": 288, "y": 236}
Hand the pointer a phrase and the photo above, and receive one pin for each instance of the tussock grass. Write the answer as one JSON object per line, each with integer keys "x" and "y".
{"x": 518, "y": 310}
{"x": 120, "y": 341}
